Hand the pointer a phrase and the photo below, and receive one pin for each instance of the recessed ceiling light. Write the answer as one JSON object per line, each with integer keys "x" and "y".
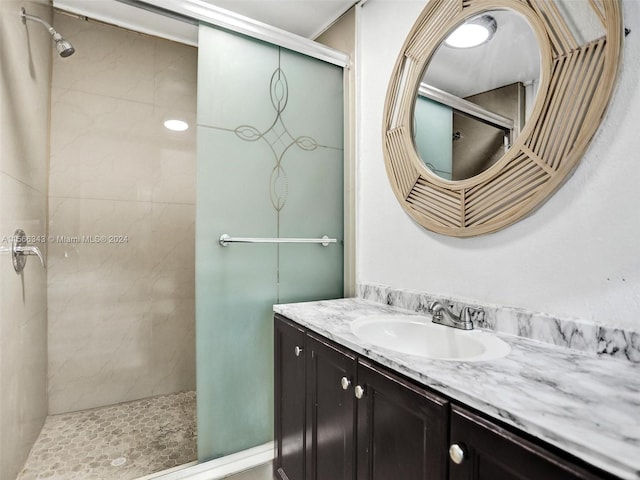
{"x": 474, "y": 32}
{"x": 176, "y": 125}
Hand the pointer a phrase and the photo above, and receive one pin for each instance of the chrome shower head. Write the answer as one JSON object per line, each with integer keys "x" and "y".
{"x": 64, "y": 48}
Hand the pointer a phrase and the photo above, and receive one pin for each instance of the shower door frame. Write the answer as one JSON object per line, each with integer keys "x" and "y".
{"x": 251, "y": 28}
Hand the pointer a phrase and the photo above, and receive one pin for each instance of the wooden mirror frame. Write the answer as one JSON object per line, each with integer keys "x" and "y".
{"x": 576, "y": 84}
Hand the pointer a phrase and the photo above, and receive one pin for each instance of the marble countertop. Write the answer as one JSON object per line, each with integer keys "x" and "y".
{"x": 586, "y": 405}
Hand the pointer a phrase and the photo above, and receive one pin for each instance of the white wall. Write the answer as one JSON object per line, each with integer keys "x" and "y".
{"x": 577, "y": 256}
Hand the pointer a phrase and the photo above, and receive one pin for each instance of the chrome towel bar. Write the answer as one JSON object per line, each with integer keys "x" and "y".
{"x": 226, "y": 239}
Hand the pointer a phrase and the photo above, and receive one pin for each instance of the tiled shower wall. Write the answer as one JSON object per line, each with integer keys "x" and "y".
{"x": 121, "y": 218}
{"x": 25, "y": 53}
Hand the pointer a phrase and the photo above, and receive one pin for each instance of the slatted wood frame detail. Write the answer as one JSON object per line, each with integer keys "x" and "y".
{"x": 576, "y": 85}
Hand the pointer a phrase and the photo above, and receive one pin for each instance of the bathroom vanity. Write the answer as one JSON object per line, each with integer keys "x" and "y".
{"x": 346, "y": 409}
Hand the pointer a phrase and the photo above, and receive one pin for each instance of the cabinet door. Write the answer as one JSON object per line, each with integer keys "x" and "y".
{"x": 330, "y": 412}
{"x": 402, "y": 429}
{"x": 489, "y": 452}
{"x": 289, "y": 390}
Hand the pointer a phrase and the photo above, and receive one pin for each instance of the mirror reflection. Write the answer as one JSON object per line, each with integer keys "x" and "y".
{"x": 476, "y": 94}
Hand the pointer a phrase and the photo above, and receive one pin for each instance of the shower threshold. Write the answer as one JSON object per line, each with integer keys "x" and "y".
{"x": 255, "y": 463}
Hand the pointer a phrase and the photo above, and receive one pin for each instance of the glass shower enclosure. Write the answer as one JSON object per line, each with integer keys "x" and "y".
{"x": 270, "y": 167}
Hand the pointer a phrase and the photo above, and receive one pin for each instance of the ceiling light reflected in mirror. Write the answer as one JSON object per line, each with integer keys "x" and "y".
{"x": 473, "y": 33}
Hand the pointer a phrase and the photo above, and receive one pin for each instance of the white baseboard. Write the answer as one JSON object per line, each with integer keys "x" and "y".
{"x": 220, "y": 467}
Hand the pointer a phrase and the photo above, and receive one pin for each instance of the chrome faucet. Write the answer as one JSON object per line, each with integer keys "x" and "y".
{"x": 444, "y": 316}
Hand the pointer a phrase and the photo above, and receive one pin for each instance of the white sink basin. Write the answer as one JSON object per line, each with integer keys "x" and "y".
{"x": 417, "y": 335}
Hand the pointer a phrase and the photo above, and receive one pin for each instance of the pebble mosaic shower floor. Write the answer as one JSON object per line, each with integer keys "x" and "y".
{"x": 118, "y": 442}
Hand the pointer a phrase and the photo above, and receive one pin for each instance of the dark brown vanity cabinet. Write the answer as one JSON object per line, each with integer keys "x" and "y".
{"x": 361, "y": 422}
{"x": 482, "y": 450}
{"x": 341, "y": 417}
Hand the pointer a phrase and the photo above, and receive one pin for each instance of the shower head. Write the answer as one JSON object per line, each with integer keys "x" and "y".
{"x": 64, "y": 48}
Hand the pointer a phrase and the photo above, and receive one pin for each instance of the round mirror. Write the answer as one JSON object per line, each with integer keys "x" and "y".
{"x": 535, "y": 145}
{"x": 476, "y": 94}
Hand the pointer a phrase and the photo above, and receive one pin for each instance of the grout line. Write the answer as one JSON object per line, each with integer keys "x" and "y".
{"x": 64, "y": 197}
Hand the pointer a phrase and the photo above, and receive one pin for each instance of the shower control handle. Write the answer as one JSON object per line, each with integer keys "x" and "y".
{"x": 31, "y": 250}
{"x": 20, "y": 250}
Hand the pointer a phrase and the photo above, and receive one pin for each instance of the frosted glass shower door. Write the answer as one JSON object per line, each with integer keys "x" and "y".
{"x": 270, "y": 163}
{"x": 433, "y": 131}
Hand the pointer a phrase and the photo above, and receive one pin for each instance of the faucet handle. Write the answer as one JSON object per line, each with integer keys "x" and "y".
{"x": 468, "y": 313}
{"x": 435, "y": 308}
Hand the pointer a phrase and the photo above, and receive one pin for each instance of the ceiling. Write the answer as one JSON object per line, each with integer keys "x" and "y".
{"x": 306, "y": 18}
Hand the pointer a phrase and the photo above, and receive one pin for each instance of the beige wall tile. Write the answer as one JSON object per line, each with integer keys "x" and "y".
{"x": 100, "y": 303}
{"x": 101, "y": 147}
{"x": 176, "y": 73}
{"x": 174, "y": 167}
{"x": 105, "y": 271}
{"x": 24, "y": 109}
{"x": 109, "y": 61}
{"x": 173, "y": 293}
{"x": 23, "y": 326}
{"x": 99, "y": 354}
{"x": 24, "y": 115}
{"x": 173, "y": 346}
{"x": 108, "y": 148}
{"x": 173, "y": 251}
{"x": 121, "y": 316}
